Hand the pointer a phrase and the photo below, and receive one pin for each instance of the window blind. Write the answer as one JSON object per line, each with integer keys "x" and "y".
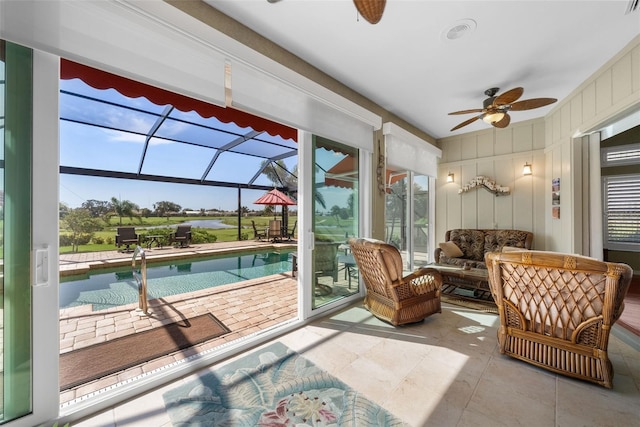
{"x": 622, "y": 212}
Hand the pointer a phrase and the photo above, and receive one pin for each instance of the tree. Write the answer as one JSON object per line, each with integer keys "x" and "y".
{"x": 97, "y": 208}
{"x": 125, "y": 208}
{"x": 63, "y": 210}
{"x": 165, "y": 208}
{"x": 82, "y": 226}
{"x": 278, "y": 174}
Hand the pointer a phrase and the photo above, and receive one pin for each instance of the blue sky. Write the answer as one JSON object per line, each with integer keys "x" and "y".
{"x": 116, "y": 138}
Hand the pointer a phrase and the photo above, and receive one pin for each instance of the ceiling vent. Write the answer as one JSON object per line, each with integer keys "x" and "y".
{"x": 632, "y": 6}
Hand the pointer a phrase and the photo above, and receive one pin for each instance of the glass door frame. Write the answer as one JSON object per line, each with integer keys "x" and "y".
{"x": 44, "y": 241}
{"x": 408, "y": 253}
{"x": 305, "y": 218}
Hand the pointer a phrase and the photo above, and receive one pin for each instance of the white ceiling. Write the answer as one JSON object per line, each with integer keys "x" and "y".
{"x": 406, "y": 65}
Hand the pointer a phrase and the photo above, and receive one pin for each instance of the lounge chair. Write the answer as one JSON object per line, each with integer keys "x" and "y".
{"x": 257, "y": 234}
{"x": 391, "y": 296}
{"x": 182, "y": 236}
{"x": 126, "y": 236}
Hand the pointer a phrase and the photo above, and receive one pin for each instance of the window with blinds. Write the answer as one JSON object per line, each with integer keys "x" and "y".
{"x": 620, "y": 155}
{"x": 622, "y": 212}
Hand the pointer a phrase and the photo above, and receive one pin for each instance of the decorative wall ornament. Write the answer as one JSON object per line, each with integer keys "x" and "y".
{"x": 486, "y": 183}
{"x": 381, "y": 170}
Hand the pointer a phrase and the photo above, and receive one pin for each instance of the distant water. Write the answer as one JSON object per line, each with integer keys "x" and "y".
{"x": 201, "y": 223}
{"x": 208, "y": 223}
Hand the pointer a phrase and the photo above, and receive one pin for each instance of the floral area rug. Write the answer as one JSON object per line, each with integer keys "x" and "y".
{"x": 274, "y": 386}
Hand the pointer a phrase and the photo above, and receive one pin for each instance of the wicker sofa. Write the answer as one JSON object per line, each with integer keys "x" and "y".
{"x": 556, "y": 310}
{"x": 473, "y": 244}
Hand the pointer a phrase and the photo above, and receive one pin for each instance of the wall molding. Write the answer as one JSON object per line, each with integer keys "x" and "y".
{"x": 508, "y": 156}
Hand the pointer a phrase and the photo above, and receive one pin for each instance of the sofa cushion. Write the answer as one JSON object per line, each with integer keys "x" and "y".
{"x": 495, "y": 240}
{"x": 450, "y": 249}
{"x": 470, "y": 241}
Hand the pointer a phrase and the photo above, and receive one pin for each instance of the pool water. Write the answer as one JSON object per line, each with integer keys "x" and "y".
{"x": 116, "y": 287}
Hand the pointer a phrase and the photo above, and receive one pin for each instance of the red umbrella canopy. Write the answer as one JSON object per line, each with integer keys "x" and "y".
{"x": 275, "y": 197}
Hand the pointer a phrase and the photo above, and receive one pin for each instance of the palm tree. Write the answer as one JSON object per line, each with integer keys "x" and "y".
{"x": 124, "y": 208}
{"x": 279, "y": 175}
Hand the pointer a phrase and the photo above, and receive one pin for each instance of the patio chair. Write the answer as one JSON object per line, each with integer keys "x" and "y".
{"x": 126, "y": 236}
{"x": 325, "y": 260}
{"x": 556, "y": 310}
{"x": 257, "y": 234}
{"x": 181, "y": 237}
{"x": 392, "y": 296}
{"x": 291, "y": 233}
{"x": 275, "y": 230}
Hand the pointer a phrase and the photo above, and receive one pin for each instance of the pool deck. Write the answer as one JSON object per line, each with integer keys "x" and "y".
{"x": 245, "y": 308}
{"x": 79, "y": 263}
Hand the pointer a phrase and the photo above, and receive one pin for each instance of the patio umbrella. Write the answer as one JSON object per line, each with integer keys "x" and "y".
{"x": 275, "y": 198}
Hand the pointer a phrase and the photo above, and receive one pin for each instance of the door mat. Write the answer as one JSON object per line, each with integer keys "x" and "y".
{"x": 273, "y": 386}
{"x": 99, "y": 360}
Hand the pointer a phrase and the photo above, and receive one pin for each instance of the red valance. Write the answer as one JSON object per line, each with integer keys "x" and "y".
{"x": 103, "y": 80}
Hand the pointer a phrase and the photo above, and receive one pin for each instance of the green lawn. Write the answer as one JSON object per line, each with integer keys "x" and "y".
{"x": 167, "y": 225}
{"x": 327, "y": 228}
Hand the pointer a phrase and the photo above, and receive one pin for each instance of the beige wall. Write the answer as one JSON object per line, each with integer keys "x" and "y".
{"x": 610, "y": 94}
{"x": 555, "y": 147}
{"x": 499, "y": 154}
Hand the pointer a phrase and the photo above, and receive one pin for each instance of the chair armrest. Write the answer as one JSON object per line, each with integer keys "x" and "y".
{"x": 423, "y": 280}
{"x": 436, "y": 255}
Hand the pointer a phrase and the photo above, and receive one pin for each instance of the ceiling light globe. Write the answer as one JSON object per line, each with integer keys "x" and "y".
{"x": 493, "y": 118}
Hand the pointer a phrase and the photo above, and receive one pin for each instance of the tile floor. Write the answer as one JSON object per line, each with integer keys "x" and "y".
{"x": 445, "y": 371}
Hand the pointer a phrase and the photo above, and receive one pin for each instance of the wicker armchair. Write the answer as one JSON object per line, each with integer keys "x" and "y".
{"x": 390, "y": 296}
{"x": 556, "y": 310}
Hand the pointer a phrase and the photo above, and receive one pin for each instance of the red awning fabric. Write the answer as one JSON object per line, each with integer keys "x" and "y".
{"x": 345, "y": 173}
{"x": 103, "y": 80}
{"x": 275, "y": 197}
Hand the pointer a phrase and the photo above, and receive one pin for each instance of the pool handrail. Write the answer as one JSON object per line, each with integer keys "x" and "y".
{"x": 143, "y": 305}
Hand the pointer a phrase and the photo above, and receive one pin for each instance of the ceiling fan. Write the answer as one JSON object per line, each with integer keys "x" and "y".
{"x": 495, "y": 109}
{"x": 371, "y": 10}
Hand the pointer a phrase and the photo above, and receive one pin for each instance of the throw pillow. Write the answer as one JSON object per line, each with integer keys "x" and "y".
{"x": 450, "y": 249}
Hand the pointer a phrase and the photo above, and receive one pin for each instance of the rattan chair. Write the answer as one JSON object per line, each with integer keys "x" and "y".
{"x": 556, "y": 310}
{"x": 391, "y": 296}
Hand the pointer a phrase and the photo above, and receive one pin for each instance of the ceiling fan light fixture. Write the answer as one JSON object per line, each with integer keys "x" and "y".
{"x": 491, "y": 118}
{"x": 371, "y": 10}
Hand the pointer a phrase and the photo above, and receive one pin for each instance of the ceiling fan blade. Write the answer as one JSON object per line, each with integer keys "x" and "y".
{"x": 508, "y": 97}
{"x": 467, "y": 122}
{"x": 475, "y": 110}
{"x": 371, "y": 10}
{"x": 529, "y": 104}
{"x": 504, "y": 122}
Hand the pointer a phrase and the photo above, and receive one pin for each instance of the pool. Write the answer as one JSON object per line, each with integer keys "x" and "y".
{"x": 115, "y": 287}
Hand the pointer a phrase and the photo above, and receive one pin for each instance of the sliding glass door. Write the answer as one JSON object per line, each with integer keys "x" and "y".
{"x": 407, "y": 213}
{"x": 15, "y": 234}
{"x": 335, "y": 219}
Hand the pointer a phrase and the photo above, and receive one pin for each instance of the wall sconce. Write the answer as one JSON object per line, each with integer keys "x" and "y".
{"x": 526, "y": 170}
{"x": 450, "y": 177}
